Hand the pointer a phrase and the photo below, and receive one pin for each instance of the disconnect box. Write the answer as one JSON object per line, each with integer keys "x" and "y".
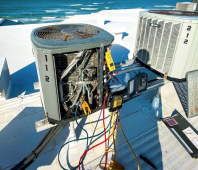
{"x": 142, "y": 79}
{"x": 137, "y": 84}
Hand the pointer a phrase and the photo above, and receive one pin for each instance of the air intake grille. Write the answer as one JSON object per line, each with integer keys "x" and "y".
{"x": 61, "y": 33}
{"x": 156, "y": 42}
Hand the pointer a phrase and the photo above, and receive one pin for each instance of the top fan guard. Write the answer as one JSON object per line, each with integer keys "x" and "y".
{"x": 69, "y": 37}
{"x": 174, "y": 12}
{"x": 67, "y": 32}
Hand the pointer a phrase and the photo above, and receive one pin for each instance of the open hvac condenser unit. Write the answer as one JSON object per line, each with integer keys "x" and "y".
{"x": 167, "y": 42}
{"x": 70, "y": 66}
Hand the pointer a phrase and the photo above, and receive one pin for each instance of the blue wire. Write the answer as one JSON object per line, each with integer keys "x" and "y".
{"x": 83, "y": 130}
{"x": 78, "y": 140}
{"x": 75, "y": 140}
{"x": 79, "y": 124}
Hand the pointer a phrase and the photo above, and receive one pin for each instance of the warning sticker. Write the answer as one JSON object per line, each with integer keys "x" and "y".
{"x": 131, "y": 86}
{"x": 172, "y": 122}
{"x": 191, "y": 135}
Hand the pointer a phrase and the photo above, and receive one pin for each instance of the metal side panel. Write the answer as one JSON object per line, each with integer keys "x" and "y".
{"x": 34, "y": 51}
{"x": 101, "y": 63}
{"x": 192, "y": 87}
{"x": 192, "y": 62}
{"x": 183, "y": 48}
{"x": 181, "y": 89}
{"x": 48, "y": 85}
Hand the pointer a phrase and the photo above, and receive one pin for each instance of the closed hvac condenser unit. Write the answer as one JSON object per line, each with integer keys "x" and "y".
{"x": 167, "y": 42}
{"x": 186, "y": 6}
{"x": 70, "y": 66}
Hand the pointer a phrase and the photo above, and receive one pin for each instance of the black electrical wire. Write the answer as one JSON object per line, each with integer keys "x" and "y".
{"x": 86, "y": 138}
{"x": 43, "y": 144}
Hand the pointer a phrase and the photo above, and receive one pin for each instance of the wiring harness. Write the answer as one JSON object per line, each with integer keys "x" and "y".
{"x": 112, "y": 134}
{"x": 101, "y": 133}
{"x": 82, "y": 87}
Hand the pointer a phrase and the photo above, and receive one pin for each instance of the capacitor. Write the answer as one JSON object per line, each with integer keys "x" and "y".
{"x": 127, "y": 78}
{"x": 104, "y": 67}
{"x": 90, "y": 99}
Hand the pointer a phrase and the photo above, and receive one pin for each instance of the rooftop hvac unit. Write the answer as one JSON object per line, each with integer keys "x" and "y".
{"x": 70, "y": 66}
{"x": 186, "y": 6}
{"x": 167, "y": 42}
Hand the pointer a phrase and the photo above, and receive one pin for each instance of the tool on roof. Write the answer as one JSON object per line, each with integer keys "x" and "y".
{"x": 109, "y": 60}
{"x": 185, "y": 131}
{"x": 147, "y": 161}
{"x": 86, "y": 108}
{"x": 116, "y": 101}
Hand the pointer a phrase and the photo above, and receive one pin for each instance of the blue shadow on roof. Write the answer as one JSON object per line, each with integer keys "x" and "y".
{"x": 23, "y": 80}
{"x": 119, "y": 53}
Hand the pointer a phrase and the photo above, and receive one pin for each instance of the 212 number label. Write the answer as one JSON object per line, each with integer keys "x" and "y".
{"x": 187, "y": 35}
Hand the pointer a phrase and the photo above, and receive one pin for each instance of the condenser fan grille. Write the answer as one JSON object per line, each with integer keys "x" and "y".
{"x": 174, "y": 12}
{"x": 61, "y": 33}
{"x": 50, "y": 33}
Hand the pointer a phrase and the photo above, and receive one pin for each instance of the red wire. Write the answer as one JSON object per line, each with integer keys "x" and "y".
{"x": 104, "y": 134}
{"x": 95, "y": 146}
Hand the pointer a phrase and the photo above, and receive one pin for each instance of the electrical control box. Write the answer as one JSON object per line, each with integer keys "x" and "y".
{"x": 137, "y": 84}
{"x": 132, "y": 87}
{"x": 142, "y": 81}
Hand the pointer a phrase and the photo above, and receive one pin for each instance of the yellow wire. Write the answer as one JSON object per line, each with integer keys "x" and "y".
{"x": 111, "y": 133}
{"x": 112, "y": 130}
{"x": 114, "y": 150}
{"x": 113, "y": 126}
{"x": 139, "y": 166}
{"x": 115, "y": 157}
{"x": 93, "y": 125}
{"x": 101, "y": 164}
{"x": 112, "y": 166}
{"x": 117, "y": 138}
{"x": 113, "y": 121}
{"x": 109, "y": 149}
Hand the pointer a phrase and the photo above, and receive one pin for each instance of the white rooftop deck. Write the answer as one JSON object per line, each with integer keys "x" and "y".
{"x": 145, "y": 132}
